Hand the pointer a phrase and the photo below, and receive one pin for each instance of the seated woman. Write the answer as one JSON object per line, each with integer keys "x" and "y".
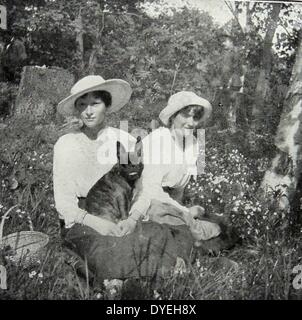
{"x": 80, "y": 157}
{"x": 170, "y": 158}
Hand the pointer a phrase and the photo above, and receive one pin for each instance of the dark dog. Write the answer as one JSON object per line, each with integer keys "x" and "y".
{"x": 111, "y": 196}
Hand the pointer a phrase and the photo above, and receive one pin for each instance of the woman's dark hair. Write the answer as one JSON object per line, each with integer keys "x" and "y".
{"x": 100, "y": 94}
{"x": 105, "y": 96}
{"x": 198, "y": 113}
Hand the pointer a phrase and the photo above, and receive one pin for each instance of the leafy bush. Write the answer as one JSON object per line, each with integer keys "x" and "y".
{"x": 230, "y": 187}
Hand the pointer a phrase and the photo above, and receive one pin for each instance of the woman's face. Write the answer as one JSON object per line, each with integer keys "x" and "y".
{"x": 91, "y": 109}
{"x": 189, "y": 118}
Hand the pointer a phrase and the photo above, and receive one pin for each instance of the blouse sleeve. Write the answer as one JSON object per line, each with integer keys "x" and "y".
{"x": 64, "y": 183}
{"x": 149, "y": 186}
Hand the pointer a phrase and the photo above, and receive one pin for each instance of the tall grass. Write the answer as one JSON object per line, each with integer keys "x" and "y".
{"x": 260, "y": 268}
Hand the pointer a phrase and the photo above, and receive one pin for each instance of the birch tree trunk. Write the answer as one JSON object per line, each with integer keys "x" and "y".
{"x": 263, "y": 84}
{"x": 249, "y": 8}
{"x": 286, "y": 166}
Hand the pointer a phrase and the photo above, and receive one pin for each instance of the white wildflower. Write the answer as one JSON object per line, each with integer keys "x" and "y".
{"x": 198, "y": 263}
{"x": 156, "y": 294}
{"x": 112, "y": 291}
{"x": 32, "y": 274}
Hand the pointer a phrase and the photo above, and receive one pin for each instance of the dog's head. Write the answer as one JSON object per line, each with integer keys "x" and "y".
{"x": 130, "y": 163}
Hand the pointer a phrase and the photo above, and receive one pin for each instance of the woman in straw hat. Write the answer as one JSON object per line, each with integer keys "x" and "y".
{"x": 170, "y": 156}
{"x": 81, "y": 157}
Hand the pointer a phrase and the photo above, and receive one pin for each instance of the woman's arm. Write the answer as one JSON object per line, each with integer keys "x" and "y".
{"x": 66, "y": 194}
{"x": 64, "y": 172}
{"x": 149, "y": 187}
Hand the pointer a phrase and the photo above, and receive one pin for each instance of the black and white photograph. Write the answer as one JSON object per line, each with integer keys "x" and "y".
{"x": 150, "y": 150}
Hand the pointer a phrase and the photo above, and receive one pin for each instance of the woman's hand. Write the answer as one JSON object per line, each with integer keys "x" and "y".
{"x": 197, "y": 212}
{"x": 127, "y": 226}
{"x": 204, "y": 230}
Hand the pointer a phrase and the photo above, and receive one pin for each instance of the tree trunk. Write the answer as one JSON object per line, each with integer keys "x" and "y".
{"x": 97, "y": 45}
{"x": 263, "y": 83}
{"x": 249, "y": 8}
{"x": 286, "y": 167}
{"x": 79, "y": 40}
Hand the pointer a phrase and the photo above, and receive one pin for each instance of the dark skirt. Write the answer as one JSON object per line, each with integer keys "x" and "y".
{"x": 149, "y": 252}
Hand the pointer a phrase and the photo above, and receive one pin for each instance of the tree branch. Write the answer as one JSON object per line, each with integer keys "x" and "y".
{"x": 282, "y": 25}
{"x": 235, "y": 16}
{"x": 79, "y": 36}
{"x": 174, "y": 77}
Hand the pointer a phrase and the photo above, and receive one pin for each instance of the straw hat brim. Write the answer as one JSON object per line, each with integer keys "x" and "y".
{"x": 120, "y": 91}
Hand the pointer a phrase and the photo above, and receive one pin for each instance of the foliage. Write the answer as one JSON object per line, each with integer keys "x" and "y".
{"x": 146, "y": 51}
{"x": 229, "y": 187}
{"x": 157, "y": 56}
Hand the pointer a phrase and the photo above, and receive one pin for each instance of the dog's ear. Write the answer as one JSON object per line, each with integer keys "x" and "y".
{"x": 138, "y": 147}
{"x": 135, "y": 156}
{"x": 121, "y": 153}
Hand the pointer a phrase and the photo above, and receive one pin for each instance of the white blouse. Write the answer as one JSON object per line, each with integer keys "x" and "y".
{"x": 166, "y": 164}
{"x": 79, "y": 163}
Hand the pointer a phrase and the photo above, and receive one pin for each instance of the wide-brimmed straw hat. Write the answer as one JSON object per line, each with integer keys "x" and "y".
{"x": 120, "y": 91}
{"x": 181, "y": 100}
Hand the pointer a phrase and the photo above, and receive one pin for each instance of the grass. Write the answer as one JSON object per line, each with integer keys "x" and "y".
{"x": 260, "y": 268}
